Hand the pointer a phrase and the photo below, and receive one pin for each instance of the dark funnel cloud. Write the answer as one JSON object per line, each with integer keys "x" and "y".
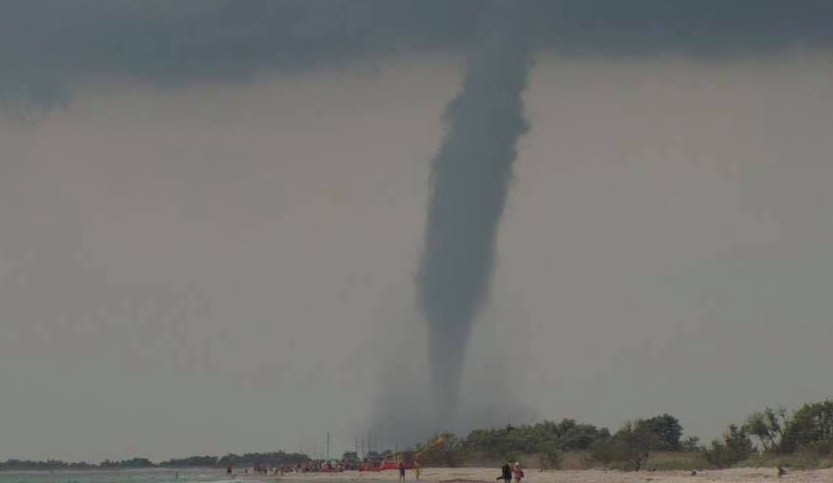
{"x": 470, "y": 177}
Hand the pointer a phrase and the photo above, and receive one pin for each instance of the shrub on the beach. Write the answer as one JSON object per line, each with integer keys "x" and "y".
{"x": 510, "y": 456}
{"x": 631, "y": 443}
{"x": 738, "y": 443}
{"x": 551, "y": 457}
{"x": 717, "y": 455}
{"x": 767, "y": 427}
{"x": 735, "y": 447}
{"x": 802, "y": 459}
{"x": 191, "y": 461}
{"x": 567, "y": 435}
{"x": 691, "y": 444}
{"x": 573, "y": 436}
{"x": 811, "y": 427}
{"x": 666, "y": 429}
{"x": 629, "y": 447}
{"x": 131, "y": 463}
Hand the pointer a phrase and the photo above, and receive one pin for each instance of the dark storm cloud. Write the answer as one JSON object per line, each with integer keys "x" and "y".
{"x": 704, "y": 27}
{"x": 47, "y": 45}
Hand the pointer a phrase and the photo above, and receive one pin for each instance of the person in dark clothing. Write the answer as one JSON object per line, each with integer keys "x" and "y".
{"x": 506, "y": 473}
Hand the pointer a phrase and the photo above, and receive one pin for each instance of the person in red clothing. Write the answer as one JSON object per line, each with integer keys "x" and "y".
{"x": 518, "y": 472}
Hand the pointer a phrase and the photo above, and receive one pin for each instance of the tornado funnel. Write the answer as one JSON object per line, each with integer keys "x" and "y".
{"x": 470, "y": 175}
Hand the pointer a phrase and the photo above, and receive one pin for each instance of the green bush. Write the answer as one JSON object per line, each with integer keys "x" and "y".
{"x": 811, "y": 427}
{"x": 666, "y": 430}
{"x": 551, "y": 457}
{"x": 629, "y": 447}
{"x": 567, "y": 435}
{"x": 735, "y": 447}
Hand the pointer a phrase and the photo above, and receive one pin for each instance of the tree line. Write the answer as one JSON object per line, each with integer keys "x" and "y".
{"x": 773, "y": 432}
{"x": 273, "y": 459}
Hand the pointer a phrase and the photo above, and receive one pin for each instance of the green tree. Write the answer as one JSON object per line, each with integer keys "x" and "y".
{"x": 768, "y": 427}
{"x": 738, "y": 443}
{"x": 630, "y": 445}
{"x": 551, "y": 456}
{"x": 191, "y": 461}
{"x": 811, "y": 427}
{"x": 131, "y": 463}
{"x": 735, "y": 447}
{"x": 667, "y": 430}
{"x": 691, "y": 444}
{"x": 529, "y": 439}
{"x": 575, "y": 436}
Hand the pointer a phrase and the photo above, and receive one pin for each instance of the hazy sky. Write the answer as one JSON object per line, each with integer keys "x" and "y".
{"x": 211, "y": 216}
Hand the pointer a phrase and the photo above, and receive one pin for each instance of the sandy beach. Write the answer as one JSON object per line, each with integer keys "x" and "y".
{"x": 463, "y": 475}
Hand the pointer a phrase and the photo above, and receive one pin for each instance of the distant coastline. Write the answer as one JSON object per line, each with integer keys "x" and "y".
{"x": 272, "y": 459}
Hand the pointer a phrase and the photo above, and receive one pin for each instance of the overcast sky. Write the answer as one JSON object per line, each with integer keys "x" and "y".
{"x": 211, "y": 216}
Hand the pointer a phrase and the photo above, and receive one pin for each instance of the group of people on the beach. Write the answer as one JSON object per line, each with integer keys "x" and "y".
{"x": 264, "y": 470}
{"x": 508, "y": 472}
{"x": 416, "y": 467}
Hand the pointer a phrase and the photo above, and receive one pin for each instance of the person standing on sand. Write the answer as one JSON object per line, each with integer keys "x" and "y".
{"x": 519, "y": 473}
{"x": 417, "y": 470}
{"x": 506, "y": 473}
{"x": 401, "y": 471}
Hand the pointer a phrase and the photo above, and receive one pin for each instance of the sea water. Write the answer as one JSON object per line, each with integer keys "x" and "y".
{"x": 154, "y": 475}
